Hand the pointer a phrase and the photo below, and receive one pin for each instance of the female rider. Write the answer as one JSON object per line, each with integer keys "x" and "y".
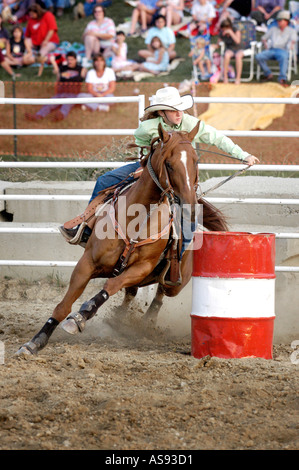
{"x": 168, "y": 110}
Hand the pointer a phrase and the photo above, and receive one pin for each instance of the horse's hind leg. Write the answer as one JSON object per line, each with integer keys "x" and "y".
{"x": 152, "y": 312}
{"x": 130, "y": 294}
{"x": 79, "y": 279}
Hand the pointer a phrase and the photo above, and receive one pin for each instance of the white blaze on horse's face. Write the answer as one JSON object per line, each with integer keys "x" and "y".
{"x": 184, "y": 162}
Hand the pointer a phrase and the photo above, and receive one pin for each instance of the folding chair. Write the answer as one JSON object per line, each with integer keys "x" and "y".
{"x": 248, "y": 44}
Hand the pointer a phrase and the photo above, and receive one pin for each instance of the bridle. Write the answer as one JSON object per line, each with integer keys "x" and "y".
{"x": 168, "y": 191}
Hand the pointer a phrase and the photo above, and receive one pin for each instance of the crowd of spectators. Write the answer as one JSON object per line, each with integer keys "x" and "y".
{"x": 34, "y": 36}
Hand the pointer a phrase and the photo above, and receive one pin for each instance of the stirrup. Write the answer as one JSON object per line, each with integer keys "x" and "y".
{"x": 78, "y": 237}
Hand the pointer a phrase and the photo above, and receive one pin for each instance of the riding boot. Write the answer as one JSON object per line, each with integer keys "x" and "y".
{"x": 78, "y": 235}
{"x": 78, "y": 230}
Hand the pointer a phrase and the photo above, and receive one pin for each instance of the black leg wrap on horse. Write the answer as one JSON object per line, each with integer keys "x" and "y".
{"x": 40, "y": 340}
{"x": 90, "y": 307}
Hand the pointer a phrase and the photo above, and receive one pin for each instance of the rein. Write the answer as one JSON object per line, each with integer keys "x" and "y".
{"x": 237, "y": 173}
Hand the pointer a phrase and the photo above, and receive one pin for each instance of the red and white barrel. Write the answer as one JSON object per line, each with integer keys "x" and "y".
{"x": 233, "y": 295}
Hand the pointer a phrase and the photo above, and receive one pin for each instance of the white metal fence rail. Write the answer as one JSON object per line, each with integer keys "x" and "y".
{"x": 140, "y": 99}
{"x": 141, "y": 105}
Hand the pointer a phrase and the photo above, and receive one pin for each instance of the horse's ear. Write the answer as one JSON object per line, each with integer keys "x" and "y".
{"x": 164, "y": 136}
{"x": 194, "y": 131}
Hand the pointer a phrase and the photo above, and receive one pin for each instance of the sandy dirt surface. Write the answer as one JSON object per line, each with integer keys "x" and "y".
{"x": 124, "y": 388}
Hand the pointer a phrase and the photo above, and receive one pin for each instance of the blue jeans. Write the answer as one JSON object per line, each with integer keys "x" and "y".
{"x": 116, "y": 176}
{"x": 57, "y": 3}
{"x": 113, "y": 177}
{"x": 64, "y": 108}
{"x": 281, "y": 55}
{"x": 89, "y": 6}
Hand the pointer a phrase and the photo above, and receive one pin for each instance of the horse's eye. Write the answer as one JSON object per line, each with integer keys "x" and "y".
{"x": 168, "y": 166}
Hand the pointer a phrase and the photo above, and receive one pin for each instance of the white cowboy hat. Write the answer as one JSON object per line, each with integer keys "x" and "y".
{"x": 283, "y": 15}
{"x": 169, "y": 99}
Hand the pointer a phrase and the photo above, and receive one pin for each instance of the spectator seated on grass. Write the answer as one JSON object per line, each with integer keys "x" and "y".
{"x": 81, "y": 10}
{"x": 164, "y": 33}
{"x": 100, "y": 82}
{"x": 144, "y": 14}
{"x": 202, "y": 12}
{"x": 17, "y": 52}
{"x": 57, "y": 6}
{"x": 5, "y": 65}
{"x": 4, "y": 36}
{"x": 41, "y": 34}
{"x": 119, "y": 52}
{"x": 69, "y": 77}
{"x": 173, "y": 10}
{"x": 17, "y": 11}
{"x": 157, "y": 60}
{"x": 98, "y": 35}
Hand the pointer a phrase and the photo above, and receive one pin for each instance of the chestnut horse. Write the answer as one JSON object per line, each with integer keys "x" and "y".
{"x": 170, "y": 170}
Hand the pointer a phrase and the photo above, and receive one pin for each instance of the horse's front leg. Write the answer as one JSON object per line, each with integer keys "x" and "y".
{"x": 75, "y": 322}
{"x": 79, "y": 279}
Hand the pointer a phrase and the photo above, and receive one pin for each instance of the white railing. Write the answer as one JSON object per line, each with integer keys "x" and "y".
{"x": 140, "y": 99}
{"x": 67, "y": 197}
{"x": 141, "y": 105}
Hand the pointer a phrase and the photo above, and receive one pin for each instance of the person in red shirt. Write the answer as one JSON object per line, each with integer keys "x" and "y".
{"x": 41, "y": 33}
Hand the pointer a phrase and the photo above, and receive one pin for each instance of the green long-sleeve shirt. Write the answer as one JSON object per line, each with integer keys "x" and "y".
{"x": 147, "y": 130}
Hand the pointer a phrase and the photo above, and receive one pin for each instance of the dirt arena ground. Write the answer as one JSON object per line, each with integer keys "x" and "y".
{"x": 124, "y": 388}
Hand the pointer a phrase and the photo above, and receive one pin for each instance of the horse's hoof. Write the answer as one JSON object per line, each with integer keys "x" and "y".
{"x": 74, "y": 324}
{"x": 28, "y": 349}
{"x": 149, "y": 320}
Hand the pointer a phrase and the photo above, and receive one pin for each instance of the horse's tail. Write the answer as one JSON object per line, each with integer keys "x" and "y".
{"x": 213, "y": 219}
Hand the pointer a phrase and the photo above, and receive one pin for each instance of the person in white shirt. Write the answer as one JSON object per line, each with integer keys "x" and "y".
{"x": 202, "y": 12}
{"x": 101, "y": 81}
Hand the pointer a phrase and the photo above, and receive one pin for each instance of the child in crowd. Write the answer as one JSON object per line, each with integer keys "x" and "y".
{"x": 157, "y": 62}
{"x": 5, "y": 65}
{"x": 231, "y": 37}
{"x": 119, "y": 51}
{"x": 17, "y": 51}
{"x": 201, "y": 57}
